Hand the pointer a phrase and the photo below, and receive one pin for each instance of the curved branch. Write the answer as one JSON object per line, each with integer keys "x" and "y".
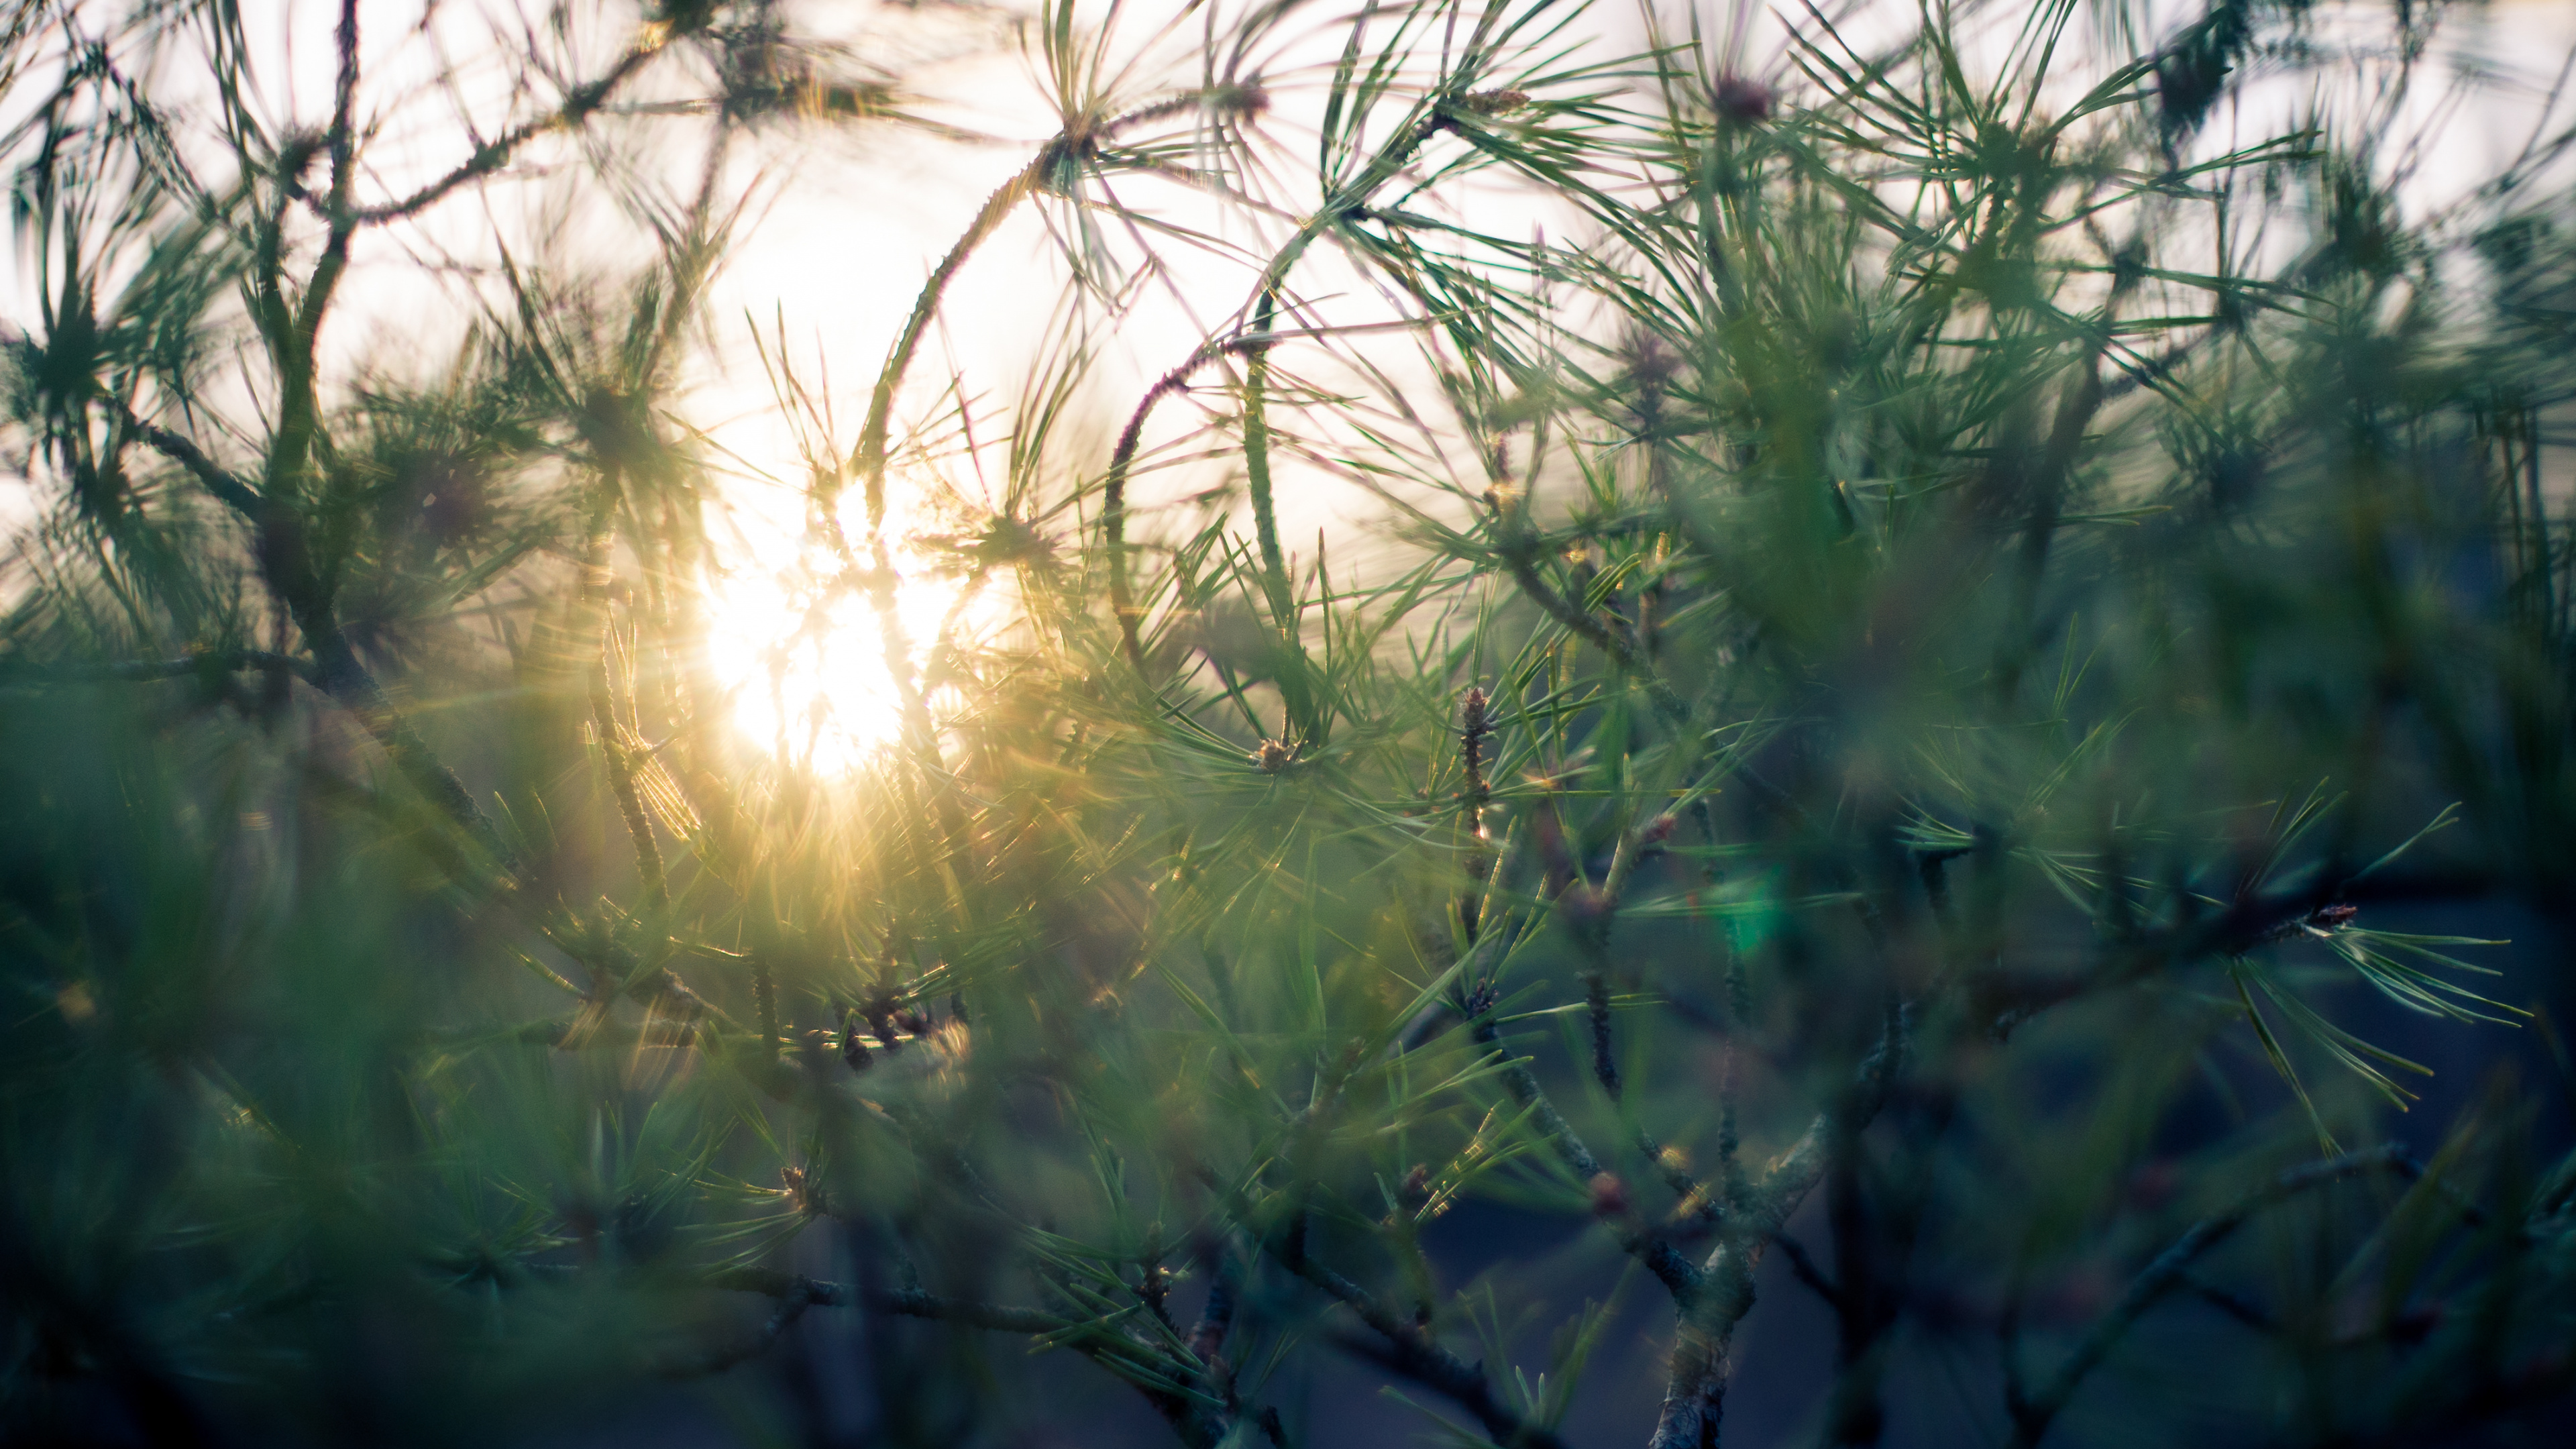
{"x": 1113, "y": 491}
{"x": 869, "y": 461}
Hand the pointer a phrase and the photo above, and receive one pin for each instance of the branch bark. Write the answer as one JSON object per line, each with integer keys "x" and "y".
{"x": 1695, "y": 1390}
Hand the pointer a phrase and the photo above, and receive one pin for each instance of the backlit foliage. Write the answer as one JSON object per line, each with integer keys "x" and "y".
{"x": 1954, "y": 603}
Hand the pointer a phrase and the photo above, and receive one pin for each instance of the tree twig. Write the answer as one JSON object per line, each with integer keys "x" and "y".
{"x": 1408, "y": 1351}
{"x": 124, "y": 671}
{"x": 218, "y": 480}
{"x": 1661, "y": 1258}
{"x": 909, "y": 1302}
{"x": 1695, "y": 1389}
{"x": 578, "y": 105}
{"x": 2032, "y": 1413}
{"x": 1113, "y": 489}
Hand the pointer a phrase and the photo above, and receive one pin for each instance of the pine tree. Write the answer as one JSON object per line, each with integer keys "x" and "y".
{"x": 1962, "y": 655}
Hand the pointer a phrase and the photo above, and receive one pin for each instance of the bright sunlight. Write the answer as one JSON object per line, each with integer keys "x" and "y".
{"x": 800, "y": 653}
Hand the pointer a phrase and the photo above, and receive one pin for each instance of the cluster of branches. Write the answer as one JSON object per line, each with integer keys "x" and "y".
{"x": 1878, "y": 614}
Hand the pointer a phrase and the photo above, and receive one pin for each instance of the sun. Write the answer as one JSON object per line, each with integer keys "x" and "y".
{"x": 801, "y": 655}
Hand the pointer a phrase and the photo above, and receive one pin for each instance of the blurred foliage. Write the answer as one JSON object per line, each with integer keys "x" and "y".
{"x": 1954, "y": 613}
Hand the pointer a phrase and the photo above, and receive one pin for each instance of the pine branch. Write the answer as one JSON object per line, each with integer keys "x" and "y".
{"x": 1695, "y": 1388}
{"x": 131, "y": 671}
{"x": 579, "y": 104}
{"x": 909, "y": 1302}
{"x": 1661, "y": 1258}
{"x": 218, "y": 480}
{"x": 2033, "y": 1412}
{"x": 1113, "y": 489}
{"x": 1408, "y": 1351}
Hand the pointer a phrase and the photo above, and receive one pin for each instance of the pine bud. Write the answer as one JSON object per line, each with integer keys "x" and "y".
{"x": 1415, "y": 1192}
{"x": 854, "y": 1049}
{"x": 1741, "y": 99}
{"x": 1609, "y": 1196}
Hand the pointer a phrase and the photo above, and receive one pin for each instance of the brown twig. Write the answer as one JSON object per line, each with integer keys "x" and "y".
{"x": 218, "y": 480}
{"x": 909, "y": 1302}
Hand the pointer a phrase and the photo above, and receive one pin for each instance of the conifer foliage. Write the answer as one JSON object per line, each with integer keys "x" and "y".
{"x": 1962, "y": 658}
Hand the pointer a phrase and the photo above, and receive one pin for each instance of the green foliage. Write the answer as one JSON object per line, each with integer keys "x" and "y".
{"x": 1937, "y": 613}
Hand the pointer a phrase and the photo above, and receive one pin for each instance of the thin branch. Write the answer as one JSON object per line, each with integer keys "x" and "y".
{"x": 133, "y": 671}
{"x": 708, "y": 1364}
{"x": 1463, "y": 1384}
{"x": 343, "y": 141}
{"x": 869, "y": 461}
{"x": 335, "y": 667}
{"x": 618, "y": 755}
{"x": 1523, "y": 568}
{"x": 1184, "y": 1408}
{"x": 1694, "y": 1199}
{"x": 1695, "y": 1390}
{"x": 586, "y": 1032}
{"x": 909, "y": 1302}
{"x": 2008, "y": 1000}
{"x": 1408, "y": 1351}
{"x": 1596, "y": 1001}
{"x": 2171, "y": 1268}
{"x": 1805, "y": 1269}
{"x": 222, "y": 482}
{"x": 2235, "y": 1305}
{"x": 1437, "y": 115}
{"x": 349, "y": 682}
{"x": 1256, "y": 467}
{"x": 1113, "y": 491}
{"x": 1207, "y": 1336}
{"x": 1661, "y": 1258}
{"x": 579, "y": 104}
